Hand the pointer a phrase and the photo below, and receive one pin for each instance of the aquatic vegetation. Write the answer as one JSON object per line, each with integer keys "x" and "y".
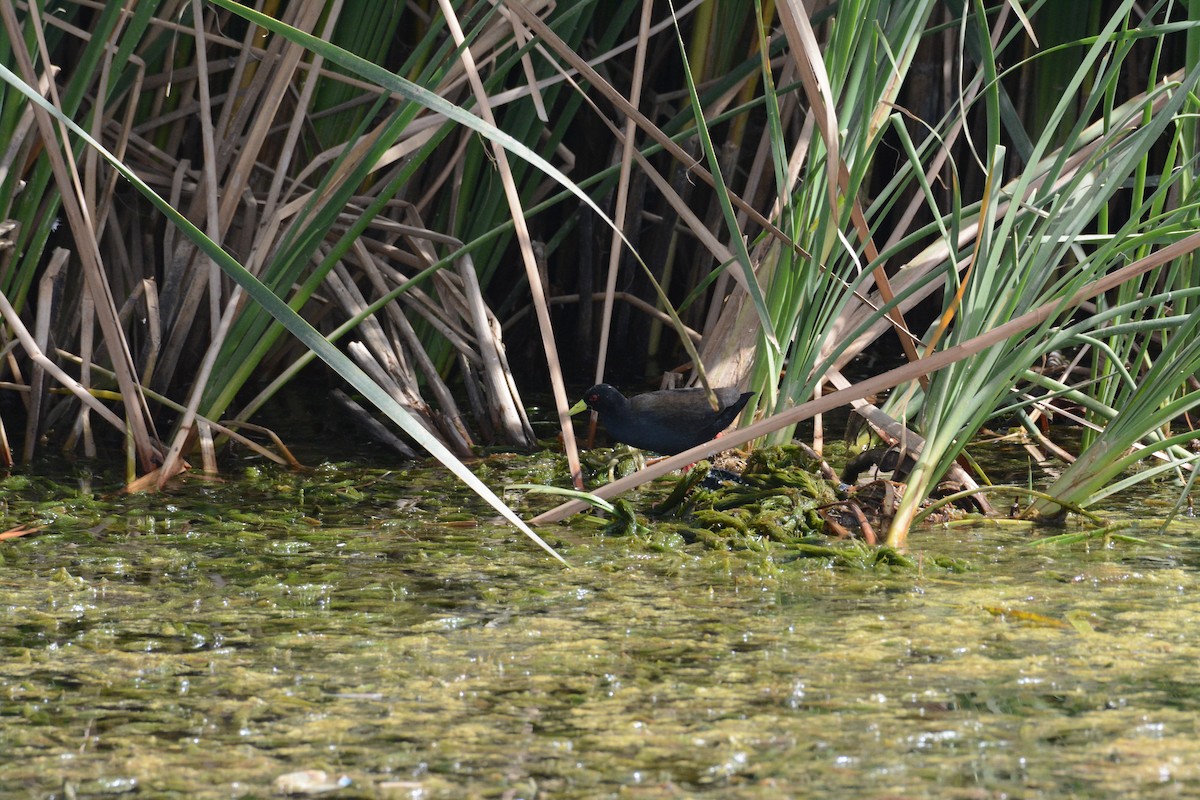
{"x": 377, "y": 625}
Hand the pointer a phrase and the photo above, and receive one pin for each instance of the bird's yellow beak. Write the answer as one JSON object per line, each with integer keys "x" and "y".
{"x": 580, "y": 406}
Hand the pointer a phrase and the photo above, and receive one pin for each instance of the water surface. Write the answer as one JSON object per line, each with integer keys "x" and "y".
{"x": 202, "y": 643}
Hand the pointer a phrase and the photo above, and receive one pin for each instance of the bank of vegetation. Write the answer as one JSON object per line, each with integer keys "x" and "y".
{"x": 200, "y": 197}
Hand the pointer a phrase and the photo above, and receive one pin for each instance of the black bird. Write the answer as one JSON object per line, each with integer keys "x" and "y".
{"x": 668, "y": 421}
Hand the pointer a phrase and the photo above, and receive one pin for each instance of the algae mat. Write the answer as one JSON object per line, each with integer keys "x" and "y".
{"x": 371, "y": 624}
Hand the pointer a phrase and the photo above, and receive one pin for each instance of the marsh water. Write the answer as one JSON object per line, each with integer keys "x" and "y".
{"x": 380, "y": 625}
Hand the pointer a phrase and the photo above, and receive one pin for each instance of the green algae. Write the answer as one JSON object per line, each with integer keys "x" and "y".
{"x": 202, "y": 642}
{"x": 770, "y": 506}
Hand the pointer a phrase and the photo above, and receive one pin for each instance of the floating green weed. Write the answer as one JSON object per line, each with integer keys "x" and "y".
{"x": 775, "y": 499}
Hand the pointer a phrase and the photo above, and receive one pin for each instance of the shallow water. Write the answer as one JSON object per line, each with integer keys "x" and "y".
{"x": 202, "y": 643}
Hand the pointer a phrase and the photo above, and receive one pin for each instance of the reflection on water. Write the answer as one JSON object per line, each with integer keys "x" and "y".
{"x": 337, "y": 622}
